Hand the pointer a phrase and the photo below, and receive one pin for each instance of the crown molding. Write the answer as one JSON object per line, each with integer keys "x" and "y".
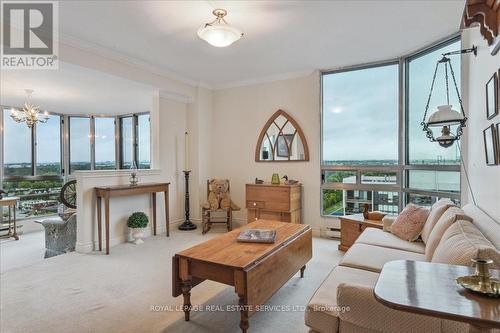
{"x": 265, "y": 79}
{"x": 109, "y": 53}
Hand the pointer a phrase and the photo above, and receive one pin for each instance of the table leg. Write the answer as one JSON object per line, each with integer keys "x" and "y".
{"x": 302, "y": 271}
{"x": 244, "y": 324}
{"x": 186, "y": 294}
{"x": 106, "y": 213}
{"x": 153, "y": 195}
{"x": 16, "y": 237}
{"x": 99, "y": 222}
{"x": 167, "y": 217}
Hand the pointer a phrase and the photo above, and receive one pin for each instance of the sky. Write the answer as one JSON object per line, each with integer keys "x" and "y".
{"x": 360, "y": 110}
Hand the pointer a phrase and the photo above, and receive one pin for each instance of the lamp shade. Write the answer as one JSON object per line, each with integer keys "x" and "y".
{"x": 219, "y": 34}
{"x": 445, "y": 115}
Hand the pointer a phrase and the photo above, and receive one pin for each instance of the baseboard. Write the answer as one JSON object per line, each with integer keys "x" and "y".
{"x": 87, "y": 247}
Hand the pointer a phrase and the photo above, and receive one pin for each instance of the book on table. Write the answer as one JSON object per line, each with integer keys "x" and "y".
{"x": 257, "y": 236}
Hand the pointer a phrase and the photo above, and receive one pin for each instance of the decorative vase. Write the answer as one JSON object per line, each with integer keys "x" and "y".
{"x": 275, "y": 180}
{"x": 137, "y": 235}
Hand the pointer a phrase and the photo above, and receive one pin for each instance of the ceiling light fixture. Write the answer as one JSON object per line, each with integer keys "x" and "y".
{"x": 29, "y": 114}
{"x": 218, "y": 32}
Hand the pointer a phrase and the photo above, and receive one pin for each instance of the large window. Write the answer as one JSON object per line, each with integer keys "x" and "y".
{"x": 360, "y": 110}
{"x": 31, "y": 165}
{"x": 17, "y": 148}
{"x": 48, "y": 147}
{"x": 370, "y": 156}
{"x": 79, "y": 144}
{"x": 35, "y": 163}
{"x": 127, "y": 143}
{"x": 135, "y": 133}
{"x": 105, "y": 143}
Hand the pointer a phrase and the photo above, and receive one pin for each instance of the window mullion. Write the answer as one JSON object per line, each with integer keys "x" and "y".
{"x": 33, "y": 150}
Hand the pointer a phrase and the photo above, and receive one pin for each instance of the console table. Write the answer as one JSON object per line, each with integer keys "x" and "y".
{"x": 10, "y": 203}
{"x": 127, "y": 190}
{"x": 430, "y": 289}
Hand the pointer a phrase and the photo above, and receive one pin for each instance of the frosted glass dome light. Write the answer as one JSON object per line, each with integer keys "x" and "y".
{"x": 445, "y": 115}
{"x": 219, "y": 33}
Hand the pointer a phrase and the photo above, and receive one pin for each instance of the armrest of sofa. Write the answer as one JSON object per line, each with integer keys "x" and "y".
{"x": 362, "y": 309}
{"x": 387, "y": 221}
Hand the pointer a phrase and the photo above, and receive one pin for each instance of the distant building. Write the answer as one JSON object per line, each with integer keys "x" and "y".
{"x": 355, "y": 200}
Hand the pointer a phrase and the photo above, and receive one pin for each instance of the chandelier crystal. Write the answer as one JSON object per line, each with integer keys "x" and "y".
{"x": 30, "y": 113}
{"x": 219, "y": 33}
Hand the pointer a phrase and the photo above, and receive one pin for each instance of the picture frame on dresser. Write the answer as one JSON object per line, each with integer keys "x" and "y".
{"x": 490, "y": 145}
{"x": 492, "y": 97}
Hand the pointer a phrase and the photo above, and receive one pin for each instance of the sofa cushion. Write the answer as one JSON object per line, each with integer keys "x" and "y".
{"x": 322, "y": 311}
{"x": 409, "y": 223}
{"x": 372, "y": 258}
{"x": 377, "y": 237}
{"x": 366, "y": 314}
{"x": 463, "y": 242}
{"x": 449, "y": 217}
{"x": 436, "y": 211}
{"x": 489, "y": 227}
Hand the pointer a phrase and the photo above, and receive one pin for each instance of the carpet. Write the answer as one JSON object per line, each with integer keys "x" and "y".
{"x": 130, "y": 291}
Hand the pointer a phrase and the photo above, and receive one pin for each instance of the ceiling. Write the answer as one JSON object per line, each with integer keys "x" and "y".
{"x": 281, "y": 37}
{"x": 75, "y": 90}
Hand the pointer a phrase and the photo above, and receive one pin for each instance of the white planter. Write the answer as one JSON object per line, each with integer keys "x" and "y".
{"x": 137, "y": 235}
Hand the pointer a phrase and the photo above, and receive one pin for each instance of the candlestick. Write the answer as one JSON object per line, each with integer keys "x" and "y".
{"x": 187, "y": 224}
{"x": 186, "y": 151}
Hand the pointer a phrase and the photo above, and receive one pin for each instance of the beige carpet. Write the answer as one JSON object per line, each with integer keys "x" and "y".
{"x": 116, "y": 293}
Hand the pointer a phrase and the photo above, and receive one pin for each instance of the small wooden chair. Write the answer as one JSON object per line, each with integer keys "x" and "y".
{"x": 219, "y": 215}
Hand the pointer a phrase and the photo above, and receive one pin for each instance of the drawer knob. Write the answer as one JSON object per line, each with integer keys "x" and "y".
{"x": 255, "y": 204}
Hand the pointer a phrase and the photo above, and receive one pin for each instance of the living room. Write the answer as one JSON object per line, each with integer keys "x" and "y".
{"x": 359, "y": 138}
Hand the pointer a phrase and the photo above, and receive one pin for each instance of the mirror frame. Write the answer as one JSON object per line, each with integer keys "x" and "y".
{"x": 298, "y": 131}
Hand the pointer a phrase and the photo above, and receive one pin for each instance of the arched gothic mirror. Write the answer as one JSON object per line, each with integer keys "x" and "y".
{"x": 281, "y": 140}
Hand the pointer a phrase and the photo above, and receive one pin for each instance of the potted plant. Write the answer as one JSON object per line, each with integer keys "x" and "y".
{"x": 137, "y": 222}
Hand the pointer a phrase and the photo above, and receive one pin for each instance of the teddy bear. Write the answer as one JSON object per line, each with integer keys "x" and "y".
{"x": 219, "y": 196}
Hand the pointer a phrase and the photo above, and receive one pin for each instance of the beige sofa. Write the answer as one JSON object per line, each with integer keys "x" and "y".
{"x": 345, "y": 302}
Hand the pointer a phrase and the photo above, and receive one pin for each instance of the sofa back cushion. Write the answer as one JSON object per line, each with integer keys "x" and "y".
{"x": 408, "y": 225}
{"x": 462, "y": 242}
{"x": 489, "y": 227}
{"x": 449, "y": 217}
{"x": 436, "y": 211}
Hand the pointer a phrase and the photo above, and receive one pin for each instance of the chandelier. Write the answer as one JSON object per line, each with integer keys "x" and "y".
{"x": 30, "y": 113}
{"x": 219, "y": 33}
{"x": 445, "y": 116}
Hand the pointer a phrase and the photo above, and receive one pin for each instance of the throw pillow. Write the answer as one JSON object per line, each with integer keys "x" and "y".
{"x": 408, "y": 225}
{"x": 436, "y": 211}
{"x": 449, "y": 217}
{"x": 461, "y": 243}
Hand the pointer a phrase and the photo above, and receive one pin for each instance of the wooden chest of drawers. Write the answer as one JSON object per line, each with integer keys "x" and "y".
{"x": 274, "y": 202}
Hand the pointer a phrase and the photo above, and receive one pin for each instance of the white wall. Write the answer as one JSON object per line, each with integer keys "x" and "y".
{"x": 239, "y": 115}
{"x": 485, "y": 180}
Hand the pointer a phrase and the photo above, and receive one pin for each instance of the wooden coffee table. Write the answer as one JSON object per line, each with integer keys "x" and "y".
{"x": 430, "y": 289}
{"x": 255, "y": 270}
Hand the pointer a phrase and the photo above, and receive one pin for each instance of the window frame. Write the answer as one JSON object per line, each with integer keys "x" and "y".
{"x": 402, "y": 168}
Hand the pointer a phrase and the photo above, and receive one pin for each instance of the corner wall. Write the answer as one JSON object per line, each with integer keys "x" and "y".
{"x": 485, "y": 180}
{"x": 239, "y": 115}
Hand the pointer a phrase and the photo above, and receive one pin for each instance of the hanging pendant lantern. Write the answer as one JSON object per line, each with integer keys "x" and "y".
{"x": 445, "y": 117}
